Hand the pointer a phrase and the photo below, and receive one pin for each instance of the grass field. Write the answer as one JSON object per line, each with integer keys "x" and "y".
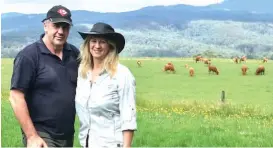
{"x": 178, "y": 110}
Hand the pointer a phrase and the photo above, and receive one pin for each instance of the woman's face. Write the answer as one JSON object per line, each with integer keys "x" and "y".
{"x": 99, "y": 47}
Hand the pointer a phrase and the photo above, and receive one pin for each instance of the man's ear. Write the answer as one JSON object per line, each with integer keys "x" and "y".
{"x": 45, "y": 24}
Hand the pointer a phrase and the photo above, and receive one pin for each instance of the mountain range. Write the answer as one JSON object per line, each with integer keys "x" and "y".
{"x": 254, "y": 17}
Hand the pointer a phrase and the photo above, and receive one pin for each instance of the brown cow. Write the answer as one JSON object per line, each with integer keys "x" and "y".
{"x": 170, "y": 63}
{"x": 265, "y": 60}
{"x": 206, "y": 61}
{"x": 213, "y": 69}
{"x": 244, "y": 69}
{"x": 191, "y": 71}
{"x": 139, "y": 63}
{"x": 260, "y": 70}
{"x": 236, "y": 60}
{"x": 169, "y": 67}
{"x": 198, "y": 58}
{"x": 186, "y": 66}
{"x": 243, "y": 58}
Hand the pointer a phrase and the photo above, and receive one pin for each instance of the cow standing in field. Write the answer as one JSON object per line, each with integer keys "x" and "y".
{"x": 206, "y": 61}
{"x": 265, "y": 60}
{"x": 191, "y": 71}
{"x": 236, "y": 59}
{"x": 186, "y": 66}
{"x": 169, "y": 67}
{"x": 198, "y": 58}
{"x": 213, "y": 69}
{"x": 243, "y": 58}
{"x": 139, "y": 63}
{"x": 244, "y": 68}
{"x": 260, "y": 70}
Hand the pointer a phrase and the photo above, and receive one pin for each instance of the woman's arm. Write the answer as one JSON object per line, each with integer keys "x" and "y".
{"x": 81, "y": 109}
{"x": 84, "y": 126}
{"x": 127, "y": 106}
{"x": 127, "y": 138}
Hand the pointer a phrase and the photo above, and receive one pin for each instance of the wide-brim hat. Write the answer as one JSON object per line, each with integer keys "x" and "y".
{"x": 108, "y": 32}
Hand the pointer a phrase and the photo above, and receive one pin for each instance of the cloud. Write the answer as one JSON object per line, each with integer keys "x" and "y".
{"x": 42, "y": 6}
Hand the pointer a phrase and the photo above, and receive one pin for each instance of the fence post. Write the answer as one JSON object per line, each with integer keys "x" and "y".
{"x": 223, "y": 97}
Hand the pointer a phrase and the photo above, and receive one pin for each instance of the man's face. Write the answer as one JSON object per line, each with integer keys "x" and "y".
{"x": 57, "y": 33}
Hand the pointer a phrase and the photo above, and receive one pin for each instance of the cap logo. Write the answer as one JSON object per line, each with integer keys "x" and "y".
{"x": 62, "y": 12}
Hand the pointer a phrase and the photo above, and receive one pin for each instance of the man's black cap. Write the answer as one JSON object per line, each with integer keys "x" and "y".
{"x": 59, "y": 14}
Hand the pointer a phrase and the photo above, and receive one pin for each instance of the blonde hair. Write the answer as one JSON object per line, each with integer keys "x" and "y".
{"x": 86, "y": 59}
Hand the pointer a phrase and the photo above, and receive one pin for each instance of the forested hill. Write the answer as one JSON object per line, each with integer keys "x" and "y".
{"x": 231, "y": 28}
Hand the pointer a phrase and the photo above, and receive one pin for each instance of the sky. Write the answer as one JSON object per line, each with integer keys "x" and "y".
{"x": 42, "y": 6}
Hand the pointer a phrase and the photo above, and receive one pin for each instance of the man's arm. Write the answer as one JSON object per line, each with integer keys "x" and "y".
{"x": 22, "y": 76}
{"x": 19, "y": 107}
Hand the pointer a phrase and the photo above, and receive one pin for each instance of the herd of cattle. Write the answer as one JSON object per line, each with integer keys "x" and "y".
{"x": 211, "y": 68}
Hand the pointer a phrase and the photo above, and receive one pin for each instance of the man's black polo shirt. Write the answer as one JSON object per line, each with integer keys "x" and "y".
{"x": 49, "y": 85}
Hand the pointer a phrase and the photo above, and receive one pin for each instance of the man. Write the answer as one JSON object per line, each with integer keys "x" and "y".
{"x": 43, "y": 84}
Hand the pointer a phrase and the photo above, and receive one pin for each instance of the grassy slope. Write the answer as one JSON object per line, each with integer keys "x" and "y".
{"x": 177, "y": 110}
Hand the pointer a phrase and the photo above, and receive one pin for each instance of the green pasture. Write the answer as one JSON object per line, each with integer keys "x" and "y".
{"x": 179, "y": 110}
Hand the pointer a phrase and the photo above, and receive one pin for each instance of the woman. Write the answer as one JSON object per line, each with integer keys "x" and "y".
{"x": 105, "y": 95}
